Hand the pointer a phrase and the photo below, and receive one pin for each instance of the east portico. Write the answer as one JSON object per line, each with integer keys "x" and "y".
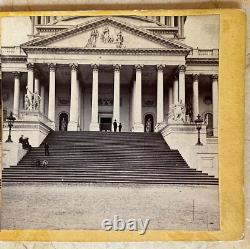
{"x": 77, "y": 61}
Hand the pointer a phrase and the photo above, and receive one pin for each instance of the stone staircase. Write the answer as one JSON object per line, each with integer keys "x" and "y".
{"x": 105, "y": 157}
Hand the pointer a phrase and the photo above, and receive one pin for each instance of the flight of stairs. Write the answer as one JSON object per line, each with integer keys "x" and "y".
{"x": 105, "y": 157}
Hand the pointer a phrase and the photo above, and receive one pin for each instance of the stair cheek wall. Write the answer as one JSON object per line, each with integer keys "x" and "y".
{"x": 100, "y": 157}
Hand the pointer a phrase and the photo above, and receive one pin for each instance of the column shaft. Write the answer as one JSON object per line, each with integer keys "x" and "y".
{"x": 42, "y": 103}
{"x": 16, "y": 93}
{"x": 74, "y": 98}
{"x": 182, "y": 87}
{"x": 170, "y": 96}
{"x": 30, "y": 83}
{"x": 215, "y": 104}
{"x": 176, "y": 90}
{"x": 94, "y": 126}
{"x": 37, "y": 84}
{"x": 160, "y": 95}
{"x": 195, "y": 96}
{"x": 116, "y": 107}
{"x": 138, "y": 126}
{"x": 52, "y": 93}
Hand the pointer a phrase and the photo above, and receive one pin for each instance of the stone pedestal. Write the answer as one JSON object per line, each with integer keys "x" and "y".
{"x": 12, "y": 154}
{"x": 183, "y": 137}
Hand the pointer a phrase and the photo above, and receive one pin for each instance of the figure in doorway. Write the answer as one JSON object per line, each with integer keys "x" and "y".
{"x": 46, "y": 149}
{"x": 115, "y": 125}
{"x": 120, "y": 127}
{"x": 148, "y": 125}
{"x": 64, "y": 125}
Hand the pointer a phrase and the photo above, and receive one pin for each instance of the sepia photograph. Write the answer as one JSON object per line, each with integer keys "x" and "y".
{"x": 110, "y": 123}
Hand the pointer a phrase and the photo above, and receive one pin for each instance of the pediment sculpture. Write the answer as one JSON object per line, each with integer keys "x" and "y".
{"x": 177, "y": 113}
{"x": 105, "y": 37}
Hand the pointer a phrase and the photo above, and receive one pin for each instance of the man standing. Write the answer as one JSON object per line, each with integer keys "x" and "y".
{"x": 120, "y": 127}
{"x": 115, "y": 125}
{"x": 46, "y": 149}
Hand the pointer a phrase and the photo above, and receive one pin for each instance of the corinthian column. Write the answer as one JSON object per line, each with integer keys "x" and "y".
{"x": 94, "y": 125}
{"x": 160, "y": 92}
{"x": 176, "y": 90}
{"x": 74, "y": 99}
{"x": 182, "y": 87}
{"x": 138, "y": 126}
{"x": 116, "y": 107}
{"x": 16, "y": 93}
{"x": 195, "y": 96}
{"x": 30, "y": 83}
{"x": 215, "y": 103}
{"x": 52, "y": 93}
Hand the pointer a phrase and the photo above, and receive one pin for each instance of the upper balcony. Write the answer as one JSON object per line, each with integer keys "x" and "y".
{"x": 13, "y": 50}
{"x": 204, "y": 53}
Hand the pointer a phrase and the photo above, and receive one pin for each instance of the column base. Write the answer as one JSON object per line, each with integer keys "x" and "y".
{"x": 72, "y": 126}
{"x": 138, "y": 128}
{"x": 94, "y": 127}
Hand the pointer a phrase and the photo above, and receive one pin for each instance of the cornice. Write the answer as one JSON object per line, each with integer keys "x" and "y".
{"x": 118, "y": 51}
{"x": 203, "y": 61}
{"x": 13, "y": 59}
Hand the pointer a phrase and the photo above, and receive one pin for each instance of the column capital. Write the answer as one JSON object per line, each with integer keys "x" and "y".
{"x": 160, "y": 67}
{"x": 214, "y": 76}
{"x": 94, "y": 67}
{"x": 117, "y": 67}
{"x": 195, "y": 77}
{"x": 17, "y": 74}
{"x": 30, "y": 66}
{"x": 181, "y": 68}
{"x": 74, "y": 66}
{"x": 138, "y": 67}
{"x": 52, "y": 66}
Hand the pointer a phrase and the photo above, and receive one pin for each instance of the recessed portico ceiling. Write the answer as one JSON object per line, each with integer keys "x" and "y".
{"x": 104, "y": 33}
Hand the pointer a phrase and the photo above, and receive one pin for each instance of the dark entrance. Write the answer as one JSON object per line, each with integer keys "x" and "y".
{"x": 149, "y": 123}
{"x": 63, "y": 121}
{"x": 105, "y": 124}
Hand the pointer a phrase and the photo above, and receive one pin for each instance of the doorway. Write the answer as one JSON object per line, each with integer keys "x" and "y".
{"x": 105, "y": 124}
{"x": 63, "y": 121}
{"x": 208, "y": 118}
{"x": 149, "y": 123}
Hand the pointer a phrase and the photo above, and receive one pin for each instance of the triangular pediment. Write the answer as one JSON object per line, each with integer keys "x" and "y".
{"x": 106, "y": 33}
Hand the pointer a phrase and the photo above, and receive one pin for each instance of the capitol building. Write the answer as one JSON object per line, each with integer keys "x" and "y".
{"x": 80, "y": 73}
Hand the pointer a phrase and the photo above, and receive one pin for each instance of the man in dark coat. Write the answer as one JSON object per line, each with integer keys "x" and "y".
{"x": 115, "y": 125}
{"x": 46, "y": 149}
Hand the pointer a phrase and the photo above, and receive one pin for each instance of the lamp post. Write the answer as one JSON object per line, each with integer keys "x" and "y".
{"x": 198, "y": 123}
{"x": 11, "y": 119}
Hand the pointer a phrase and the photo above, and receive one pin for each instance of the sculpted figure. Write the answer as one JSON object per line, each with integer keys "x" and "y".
{"x": 119, "y": 40}
{"x": 92, "y": 39}
{"x": 148, "y": 125}
{"x": 177, "y": 113}
{"x": 64, "y": 125}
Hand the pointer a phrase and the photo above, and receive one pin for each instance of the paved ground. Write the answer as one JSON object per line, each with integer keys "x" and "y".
{"x": 71, "y": 206}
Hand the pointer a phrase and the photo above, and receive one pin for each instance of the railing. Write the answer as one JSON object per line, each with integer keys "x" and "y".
{"x": 14, "y": 50}
{"x": 200, "y": 53}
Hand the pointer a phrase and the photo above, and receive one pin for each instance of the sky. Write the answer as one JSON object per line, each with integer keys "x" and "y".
{"x": 200, "y": 31}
